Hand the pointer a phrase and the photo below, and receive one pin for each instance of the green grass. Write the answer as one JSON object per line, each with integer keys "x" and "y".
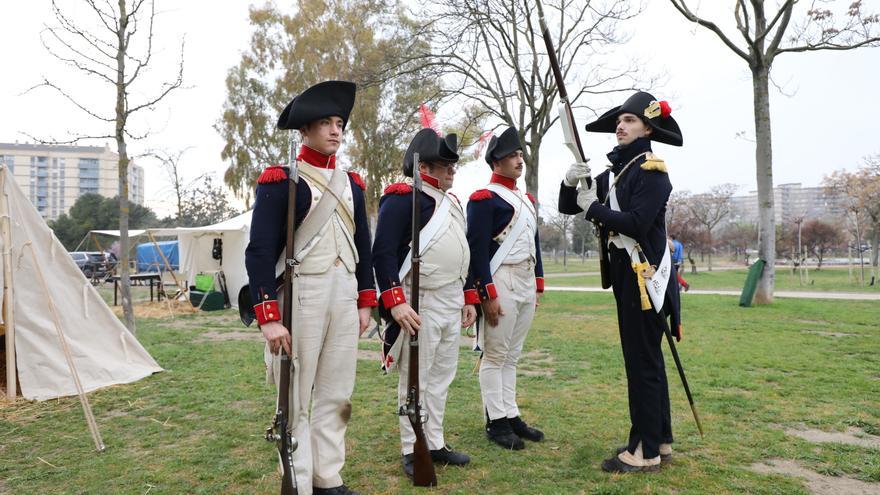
{"x": 824, "y": 280}
{"x": 197, "y": 427}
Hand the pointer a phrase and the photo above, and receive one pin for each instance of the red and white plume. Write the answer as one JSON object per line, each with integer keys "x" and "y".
{"x": 427, "y": 118}
{"x": 482, "y": 143}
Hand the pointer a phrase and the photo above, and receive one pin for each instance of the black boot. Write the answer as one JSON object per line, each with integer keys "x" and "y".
{"x": 408, "y": 465}
{"x": 448, "y": 456}
{"x": 336, "y": 490}
{"x": 523, "y": 430}
{"x": 500, "y": 432}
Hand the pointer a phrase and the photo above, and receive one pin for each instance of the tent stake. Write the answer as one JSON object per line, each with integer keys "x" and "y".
{"x": 87, "y": 409}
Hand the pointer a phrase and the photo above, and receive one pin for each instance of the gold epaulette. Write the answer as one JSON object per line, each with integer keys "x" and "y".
{"x": 653, "y": 162}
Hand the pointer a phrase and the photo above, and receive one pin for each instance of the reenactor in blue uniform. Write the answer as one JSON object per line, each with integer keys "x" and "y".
{"x": 507, "y": 273}
{"x": 446, "y": 304}
{"x": 334, "y": 289}
{"x": 630, "y": 214}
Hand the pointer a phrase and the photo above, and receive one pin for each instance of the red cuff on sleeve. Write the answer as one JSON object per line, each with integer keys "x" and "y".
{"x": 367, "y": 299}
{"x": 267, "y": 311}
{"x": 491, "y": 292}
{"x": 471, "y": 296}
{"x": 392, "y": 297}
{"x": 539, "y": 283}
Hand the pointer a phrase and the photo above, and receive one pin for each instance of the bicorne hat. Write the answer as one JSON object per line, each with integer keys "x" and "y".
{"x": 657, "y": 114}
{"x": 503, "y": 145}
{"x": 431, "y": 148}
{"x": 325, "y": 99}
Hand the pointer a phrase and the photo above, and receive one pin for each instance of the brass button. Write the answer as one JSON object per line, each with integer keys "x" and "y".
{"x": 271, "y": 315}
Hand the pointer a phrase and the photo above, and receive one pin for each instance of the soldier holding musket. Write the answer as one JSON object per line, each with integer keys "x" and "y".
{"x": 630, "y": 212}
{"x": 333, "y": 288}
{"x": 506, "y": 271}
{"x": 446, "y": 303}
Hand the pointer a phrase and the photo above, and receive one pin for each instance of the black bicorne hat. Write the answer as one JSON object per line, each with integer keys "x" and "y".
{"x": 431, "y": 148}
{"x": 503, "y": 145}
{"x": 325, "y": 99}
{"x": 656, "y": 114}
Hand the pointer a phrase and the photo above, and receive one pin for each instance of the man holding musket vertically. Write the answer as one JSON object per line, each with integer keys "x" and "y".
{"x": 507, "y": 273}
{"x": 631, "y": 211}
{"x": 446, "y": 304}
{"x": 333, "y": 289}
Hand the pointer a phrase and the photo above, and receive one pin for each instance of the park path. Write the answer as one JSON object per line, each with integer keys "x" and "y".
{"x": 851, "y": 296}
{"x": 587, "y": 274}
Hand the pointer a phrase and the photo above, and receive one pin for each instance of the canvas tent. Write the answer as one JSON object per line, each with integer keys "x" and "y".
{"x": 61, "y": 337}
{"x": 196, "y": 250}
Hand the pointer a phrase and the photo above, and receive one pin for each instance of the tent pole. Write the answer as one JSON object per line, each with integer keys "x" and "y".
{"x": 8, "y": 295}
{"x": 87, "y": 409}
{"x": 180, "y": 289}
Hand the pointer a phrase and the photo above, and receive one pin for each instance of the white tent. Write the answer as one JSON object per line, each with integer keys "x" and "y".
{"x": 61, "y": 337}
{"x": 195, "y": 245}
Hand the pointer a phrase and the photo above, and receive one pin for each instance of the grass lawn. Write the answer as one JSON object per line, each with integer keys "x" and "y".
{"x": 197, "y": 428}
{"x": 824, "y": 280}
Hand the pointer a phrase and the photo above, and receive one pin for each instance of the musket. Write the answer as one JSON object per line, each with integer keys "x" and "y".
{"x": 423, "y": 466}
{"x": 643, "y": 269}
{"x": 571, "y": 136}
{"x": 279, "y": 431}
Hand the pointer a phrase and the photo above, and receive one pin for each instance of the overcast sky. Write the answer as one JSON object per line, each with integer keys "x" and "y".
{"x": 827, "y": 122}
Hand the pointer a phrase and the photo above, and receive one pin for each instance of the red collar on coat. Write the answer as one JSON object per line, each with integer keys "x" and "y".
{"x": 316, "y": 158}
{"x": 431, "y": 180}
{"x": 504, "y": 181}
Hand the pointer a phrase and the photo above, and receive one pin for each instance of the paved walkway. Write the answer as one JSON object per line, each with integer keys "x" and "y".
{"x": 587, "y": 274}
{"x": 852, "y": 296}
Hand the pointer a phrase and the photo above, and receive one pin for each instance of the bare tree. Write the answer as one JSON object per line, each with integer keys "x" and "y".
{"x": 821, "y": 238}
{"x": 766, "y": 35}
{"x": 709, "y": 209}
{"x": 170, "y": 163}
{"x": 860, "y": 192}
{"x": 102, "y": 47}
{"x": 560, "y": 225}
{"x": 492, "y": 54}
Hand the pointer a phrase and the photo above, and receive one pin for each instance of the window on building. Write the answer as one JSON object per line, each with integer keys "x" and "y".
{"x": 9, "y": 161}
{"x": 88, "y": 176}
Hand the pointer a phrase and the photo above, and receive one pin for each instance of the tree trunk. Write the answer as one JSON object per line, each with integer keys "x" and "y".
{"x": 532, "y": 177}
{"x": 764, "y": 168}
{"x": 875, "y": 246}
{"x": 124, "y": 279}
{"x": 711, "y": 248}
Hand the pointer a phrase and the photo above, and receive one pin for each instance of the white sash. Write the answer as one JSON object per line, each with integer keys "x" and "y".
{"x": 656, "y": 285}
{"x": 520, "y": 222}
{"x": 429, "y": 231}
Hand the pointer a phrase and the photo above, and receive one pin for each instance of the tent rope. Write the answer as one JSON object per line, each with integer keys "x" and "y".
{"x": 86, "y": 300}
{"x": 87, "y": 409}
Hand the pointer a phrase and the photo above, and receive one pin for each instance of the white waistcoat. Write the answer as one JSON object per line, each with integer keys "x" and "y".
{"x": 448, "y": 256}
{"x": 334, "y": 241}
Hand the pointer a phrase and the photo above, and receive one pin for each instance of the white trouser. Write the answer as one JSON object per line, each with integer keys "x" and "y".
{"x": 502, "y": 344}
{"x": 325, "y": 339}
{"x": 440, "y": 310}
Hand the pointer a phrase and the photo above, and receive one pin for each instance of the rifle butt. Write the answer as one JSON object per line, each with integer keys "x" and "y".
{"x": 423, "y": 466}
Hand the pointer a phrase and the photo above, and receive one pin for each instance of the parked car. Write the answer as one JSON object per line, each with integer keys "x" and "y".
{"x": 92, "y": 264}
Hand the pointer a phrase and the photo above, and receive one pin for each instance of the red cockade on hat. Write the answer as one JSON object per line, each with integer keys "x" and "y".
{"x": 665, "y": 109}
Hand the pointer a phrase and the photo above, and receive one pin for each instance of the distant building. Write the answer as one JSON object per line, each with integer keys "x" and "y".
{"x": 791, "y": 201}
{"x": 54, "y": 176}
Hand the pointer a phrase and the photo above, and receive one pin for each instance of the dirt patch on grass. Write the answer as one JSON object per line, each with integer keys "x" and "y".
{"x": 370, "y": 355}
{"x": 215, "y": 336}
{"x": 156, "y": 309}
{"x": 852, "y": 436}
{"x": 818, "y": 484}
{"x": 537, "y": 362}
{"x": 831, "y": 334}
{"x": 812, "y": 322}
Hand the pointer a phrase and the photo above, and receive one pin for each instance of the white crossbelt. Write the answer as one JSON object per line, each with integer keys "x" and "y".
{"x": 520, "y": 221}
{"x": 656, "y": 285}
{"x": 429, "y": 231}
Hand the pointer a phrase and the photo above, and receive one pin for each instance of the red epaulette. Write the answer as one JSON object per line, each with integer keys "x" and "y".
{"x": 272, "y": 174}
{"x": 531, "y": 198}
{"x": 398, "y": 188}
{"x": 481, "y": 194}
{"x": 357, "y": 180}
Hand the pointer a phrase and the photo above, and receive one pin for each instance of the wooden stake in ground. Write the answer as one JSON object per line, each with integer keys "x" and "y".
{"x": 8, "y": 290}
{"x": 87, "y": 409}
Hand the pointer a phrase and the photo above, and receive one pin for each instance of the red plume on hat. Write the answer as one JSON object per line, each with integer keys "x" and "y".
{"x": 427, "y": 118}
{"x": 665, "y": 109}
